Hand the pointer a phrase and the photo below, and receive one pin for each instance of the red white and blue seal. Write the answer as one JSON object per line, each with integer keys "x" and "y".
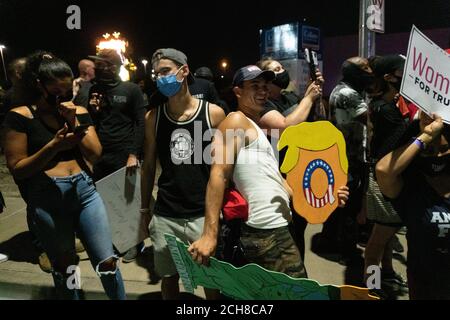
{"x": 309, "y": 194}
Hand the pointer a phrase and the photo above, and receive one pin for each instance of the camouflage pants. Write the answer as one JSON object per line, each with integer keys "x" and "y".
{"x": 273, "y": 249}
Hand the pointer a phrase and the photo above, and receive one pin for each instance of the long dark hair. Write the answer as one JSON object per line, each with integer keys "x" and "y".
{"x": 43, "y": 67}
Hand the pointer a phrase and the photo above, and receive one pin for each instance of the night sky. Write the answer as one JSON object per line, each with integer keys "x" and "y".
{"x": 205, "y": 30}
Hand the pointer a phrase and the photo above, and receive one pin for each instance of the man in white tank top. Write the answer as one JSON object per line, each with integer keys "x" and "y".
{"x": 244, "y": 155}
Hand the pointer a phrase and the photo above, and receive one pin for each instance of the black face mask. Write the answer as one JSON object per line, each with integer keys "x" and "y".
{"x": 105, "y": 75}
{"x": 282, "y": 80}
{"x": 433, "y": 166}
{"x": 369, "y": 89}
{"x": 54, "y": 100}
{"x": 356, "y": 77}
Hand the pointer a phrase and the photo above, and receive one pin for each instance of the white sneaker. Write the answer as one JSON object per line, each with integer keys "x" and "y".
{"x": 3, "y": 257}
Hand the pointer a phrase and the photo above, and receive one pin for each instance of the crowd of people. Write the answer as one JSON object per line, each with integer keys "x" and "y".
{"x": 61, "y": 135}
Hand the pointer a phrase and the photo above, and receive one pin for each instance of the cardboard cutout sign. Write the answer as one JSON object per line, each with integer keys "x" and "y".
{"x": 121, "y": 195}
{"x": 316, "y": 166}
{"x": 426, "y": 78}
{"x": 253, "y": 282}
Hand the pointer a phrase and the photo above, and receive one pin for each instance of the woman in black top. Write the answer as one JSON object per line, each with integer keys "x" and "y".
{"x": 51, "y": 146}
{"x": 417, "y": 179}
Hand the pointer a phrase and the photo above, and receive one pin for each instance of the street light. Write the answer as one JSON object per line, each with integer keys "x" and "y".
{"x": 3, "y": 61}
{"x": 224, "y": 65}
{"x": 144, "y": 62}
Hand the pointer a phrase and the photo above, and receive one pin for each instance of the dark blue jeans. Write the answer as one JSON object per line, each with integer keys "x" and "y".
{"x": 61, "y": 206}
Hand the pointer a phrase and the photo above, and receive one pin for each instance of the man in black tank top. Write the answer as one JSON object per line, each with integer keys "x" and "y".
{"x": 178, "y": 134}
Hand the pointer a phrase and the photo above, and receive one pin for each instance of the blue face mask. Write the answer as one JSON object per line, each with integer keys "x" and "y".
{"x": 169, "y": 85}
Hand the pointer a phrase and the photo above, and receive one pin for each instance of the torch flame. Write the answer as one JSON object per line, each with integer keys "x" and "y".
{"x": 120, "y": 45}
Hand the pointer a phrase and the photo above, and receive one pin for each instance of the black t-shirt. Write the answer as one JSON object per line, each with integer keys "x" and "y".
{"x": 82, "y": 97}
{"x": 121, "y": 119}
{"x": 39, "y": 133}
{"x": 427, "y": 217}
{"x": 388, "y": 127}
{"x": 287, "y": 102}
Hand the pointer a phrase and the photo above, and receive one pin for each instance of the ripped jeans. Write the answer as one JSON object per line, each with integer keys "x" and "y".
{"x": 61, "y": 206}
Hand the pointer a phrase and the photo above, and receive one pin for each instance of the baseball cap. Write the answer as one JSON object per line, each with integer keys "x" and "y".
{"x": 204, "y": 72}
{"x": 251, "y": 72}
{"x": 108, "y": 55}
{"x": 388, "y": 64}
{"x": 174, "y": 55}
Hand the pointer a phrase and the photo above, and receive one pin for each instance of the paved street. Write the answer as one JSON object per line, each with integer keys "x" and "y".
{"x": 21, "y": 277}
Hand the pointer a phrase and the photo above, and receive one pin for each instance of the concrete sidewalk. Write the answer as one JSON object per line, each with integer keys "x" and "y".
{"x": 21, "y": 277}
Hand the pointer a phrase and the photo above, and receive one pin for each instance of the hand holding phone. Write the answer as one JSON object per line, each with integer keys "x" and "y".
{"x": 313, "y": 63}
{"x": 81, "y": 129}
{"x": 95, "y": 101}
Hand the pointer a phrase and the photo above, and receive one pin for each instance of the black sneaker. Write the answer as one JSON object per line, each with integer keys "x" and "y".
{"x": 392, "y": 281}
{"x": 379, "y": 293}
{"x": 397, "y": 246}
{"x": 132, "y": 253}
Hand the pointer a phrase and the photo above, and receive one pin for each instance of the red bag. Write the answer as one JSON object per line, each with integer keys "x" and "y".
{"x": 234, "y": 205}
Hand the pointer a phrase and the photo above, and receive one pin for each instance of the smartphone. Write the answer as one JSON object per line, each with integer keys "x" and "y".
{"x": 81, "y": 128}
{"x": 313, "y": 62}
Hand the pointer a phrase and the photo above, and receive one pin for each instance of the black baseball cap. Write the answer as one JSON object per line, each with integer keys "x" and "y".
{"x": 108, "y": 55}
{"x": 388, "y": 64}
{"x": 204, "y": 72}
{"x": 251, "y": 72}
{"x": 172, "y": 54}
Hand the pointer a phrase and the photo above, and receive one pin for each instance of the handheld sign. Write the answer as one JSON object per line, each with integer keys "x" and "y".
{"x": 252, "y": 282}
{"x": 316, "y": 166}
{"x": 426, "y": 78}
{"x": 121, "y": 195}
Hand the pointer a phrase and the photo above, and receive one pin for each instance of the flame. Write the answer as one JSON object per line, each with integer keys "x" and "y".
{"x": 120, "y": 45}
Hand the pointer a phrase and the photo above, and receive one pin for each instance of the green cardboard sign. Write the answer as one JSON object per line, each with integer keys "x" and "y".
{"x": 252, "y": 282}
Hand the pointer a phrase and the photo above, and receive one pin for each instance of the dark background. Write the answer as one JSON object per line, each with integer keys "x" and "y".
{"x": 206, "y": 31}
